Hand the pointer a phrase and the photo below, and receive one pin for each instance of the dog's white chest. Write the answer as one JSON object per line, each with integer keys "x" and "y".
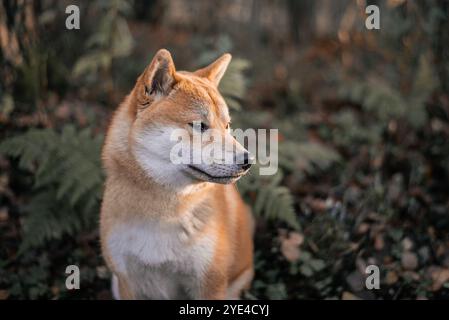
{"x": 160, "y": 260}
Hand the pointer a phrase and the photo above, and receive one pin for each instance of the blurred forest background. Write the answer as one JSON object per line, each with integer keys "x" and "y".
{"x": 363, "y": 117}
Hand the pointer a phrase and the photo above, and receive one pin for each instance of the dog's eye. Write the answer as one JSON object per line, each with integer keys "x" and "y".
{"x": 202, "y": 126}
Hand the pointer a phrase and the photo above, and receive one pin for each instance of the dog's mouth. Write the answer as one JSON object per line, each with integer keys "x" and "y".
{"x": 205, "y": 176}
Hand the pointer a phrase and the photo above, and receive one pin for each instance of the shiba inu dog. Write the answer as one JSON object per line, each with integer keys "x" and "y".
{"x": 174, "y": 231}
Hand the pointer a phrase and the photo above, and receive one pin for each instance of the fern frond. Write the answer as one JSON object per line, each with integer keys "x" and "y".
{"x": 269, "y": 199}
{"x": 386, "y": 103}
{"x": 67, "y": 181}
{"x": 306, "y": 157}
{"x": 377, "y": 99}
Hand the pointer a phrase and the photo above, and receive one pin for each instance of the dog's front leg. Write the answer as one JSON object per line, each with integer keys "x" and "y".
{"x": 217, "y": 293}
{"x": 215, "y": 286}
{"x": 121, "y": 289}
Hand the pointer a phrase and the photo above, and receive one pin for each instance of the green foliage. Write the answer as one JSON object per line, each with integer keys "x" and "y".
{"x": 234, "y": 83}
{"x": 303, "y": 158}
{"x": 272, "y": 201}
{"x": 378, "y": 99}
{"x": 425, "y": 83}
{"x": 350, "y": 132}
{"x": 6, "y": 105}
{"x": 385, "y": 102}
{"x": 271, "y": 286}
{"x": 277, "y": 291}
{"x": 112, "y": 39}
{"x": 67, "y": 178}
{"x": 307, "y": 265}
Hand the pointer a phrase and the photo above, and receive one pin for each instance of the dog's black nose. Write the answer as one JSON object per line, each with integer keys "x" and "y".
{"x": 248, "y": 160}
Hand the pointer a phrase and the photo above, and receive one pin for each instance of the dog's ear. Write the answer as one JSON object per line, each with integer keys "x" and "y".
{"x": 215, "y": 71}
{"x": 160, "y": 76}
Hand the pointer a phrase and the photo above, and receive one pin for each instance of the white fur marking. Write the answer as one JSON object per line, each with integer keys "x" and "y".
{"x": 152, "y": 151}
{"x": 115, "y": 287}
{"x": 162, "y": 246}
{"x": 236, "y": 287}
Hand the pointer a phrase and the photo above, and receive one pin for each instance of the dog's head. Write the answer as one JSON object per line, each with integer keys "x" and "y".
{"x": 182, "y": 114}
